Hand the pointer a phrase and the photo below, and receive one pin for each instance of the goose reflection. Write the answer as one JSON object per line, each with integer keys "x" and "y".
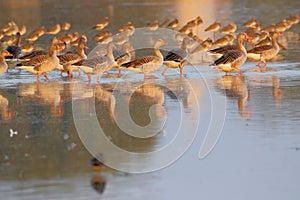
{"x": 144, "y": 105}
{"x": 48, "y": 94}
{"x": 98, "y": 182}
{"x": 179, "y": 89}
{"x": 105, "y": 98}
{"x": 276, "y": 91}
{"x": 5, "y": 111}
{"x": 236, "y": 87}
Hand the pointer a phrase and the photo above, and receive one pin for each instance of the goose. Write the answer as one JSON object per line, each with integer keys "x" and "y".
{"x": 68, "y": 59}
{"x": 66, "y": 26}
{"x": 149, "y": 63}
{"x": 43, "y": 63}
{"x": 54, "y": 29}
{"x": 101, "y": 24}
{"x": 98, "y": 64}
{"x": 265, "y": 52}
{"x": 233, "y": 59}
{"x": 173, "y": 24}
{"x": 123, "y": 56}
{"x": 230, "y": 28}
{"x": 177, "y": 58}
{"x": 214, "y": 27}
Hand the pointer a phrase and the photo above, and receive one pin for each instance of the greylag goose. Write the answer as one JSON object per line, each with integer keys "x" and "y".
{"x": 266, "y": 52}
{"x": 68, "y": 59}
{"x": 251, "y": 23}
{"x": 293, "y": 18}
{"x": 66, "y": 26}
{"x": 233, "y": 59}
{"x": 214, "y": 27}
{"x": 176, "y": 58}
{"x": 230, "y": 28}
{"x": 43, "y": 63}
{"x": 149, "y": 63}
{"x": 128, "y": 28}
{"x": 164, "y": 23}
{"x": 98, "y": 64}
{"x": 203, "y": 46}
{"x": 225, "y": 40}
{"x": 173, "y": 24}
{"x": 102, "y": 34}
{"x": 54, "y": 29}
{"x": 15, "y": 50}
{"x": 27, "y": 47}
{"x": 153, "y": 26}
{"x": 101, "y": 24}
{"x": 3, "y": 64}
{"x": 123, "y": 56}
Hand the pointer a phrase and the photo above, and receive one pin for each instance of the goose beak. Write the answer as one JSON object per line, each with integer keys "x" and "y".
{"x": 249, "y": 39}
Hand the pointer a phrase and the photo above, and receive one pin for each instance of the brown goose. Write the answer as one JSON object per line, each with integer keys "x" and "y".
{"x": 266, "y": 52}
{"x": 123, "y": 56}
{"x": 98, "y": 64}
{"x": 203, "y": 46}
{"x": 173, "y": 24}
{"x": 176, "y": 58}
{"x": 214, "y": 27}
{"x": 68, "y": 59}
{"x": 3, "y": 64}
{"x": 54, "y": 29}
{"x": 149, "y": 63}
{"x": 251, "y": 23}
{"x": 66, "y": 26}
{"x": 44, "y": 63}
{"x": 101, "y": 24}
{"x": 153, "y": 26}
{"x": 233, "y": 59}
{"x": 230, "y": 28}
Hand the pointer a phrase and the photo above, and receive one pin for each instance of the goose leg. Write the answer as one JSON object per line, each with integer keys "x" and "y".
{"x": 264, "y": 67}
{"x": 46, "y": 77}
{"x": 89, "y": 77}
{"x": 164, "y": 71}
{"x": 119, "y": 71}
{"x": 180, "y": 69}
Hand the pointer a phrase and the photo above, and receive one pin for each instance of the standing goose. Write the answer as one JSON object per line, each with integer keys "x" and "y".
{"x": 149, "y": 63}
{"x": 233, "y": 59}
{"x": 230, "y": 28}
{"x": 98, "y": 64}
{"x": 43, "y": 63}
{"x": 265, "y": 52}
{"x": 68, "y": 59}
{"x": 123, "y": 56}
{"x": 214, "y": 27}
{"x": 176, "y": 58}
{"x": 3, "y": 64}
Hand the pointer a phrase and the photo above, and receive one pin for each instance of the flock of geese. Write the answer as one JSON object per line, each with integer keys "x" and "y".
{"x": 229, "y": 49}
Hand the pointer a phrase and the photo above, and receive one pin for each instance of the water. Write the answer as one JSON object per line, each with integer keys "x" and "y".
{"x": 47, "y": 128}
